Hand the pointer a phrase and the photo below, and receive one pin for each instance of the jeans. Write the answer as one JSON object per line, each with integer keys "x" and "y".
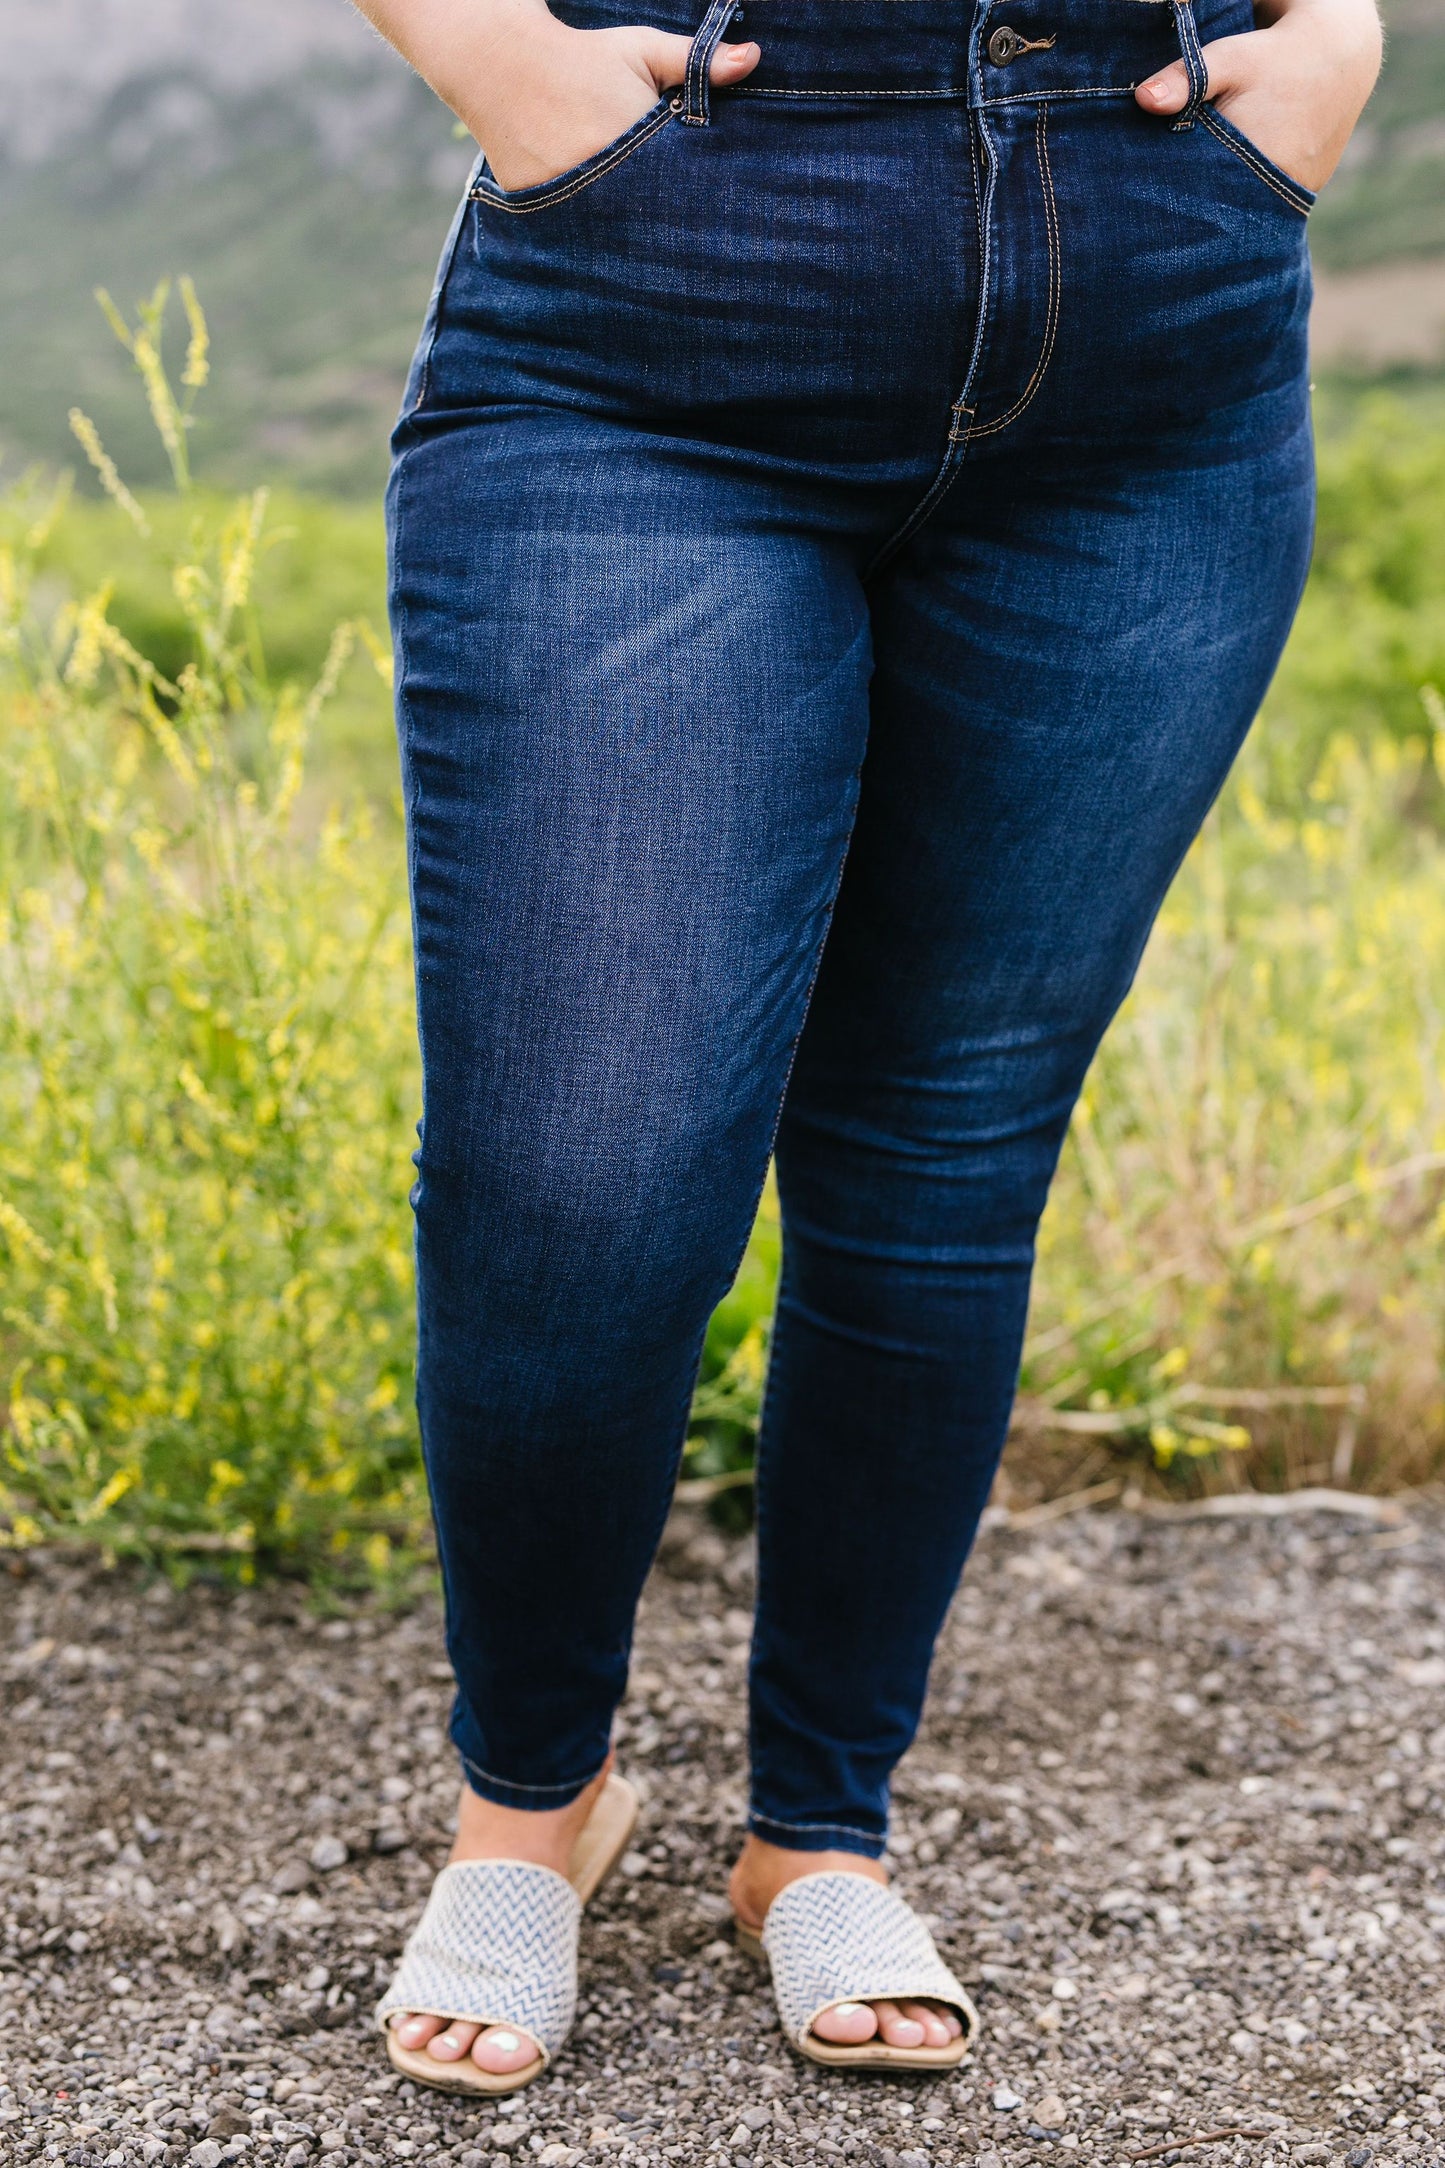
{"x": 840, "y": 536}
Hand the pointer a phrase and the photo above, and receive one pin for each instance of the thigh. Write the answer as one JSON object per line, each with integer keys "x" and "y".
{"x": 632, "y": 714}
{"x": 1065, "y": 670}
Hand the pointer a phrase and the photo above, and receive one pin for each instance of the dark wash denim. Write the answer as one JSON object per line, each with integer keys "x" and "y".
{"x": 841, "y": 534}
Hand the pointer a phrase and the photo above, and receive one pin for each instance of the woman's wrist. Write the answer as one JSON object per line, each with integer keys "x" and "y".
{"x": 473, "y": 53}
{"x": 512, "y": 45}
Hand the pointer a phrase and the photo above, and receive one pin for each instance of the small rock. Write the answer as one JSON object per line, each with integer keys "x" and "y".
{"x": 394, "y": 1789}
{"x": 741, "y": 2136}
{"x": 1360, "y": 2158}
{"x": 205, "y": 2155}
{"x": 152, "y": 2149}
{"x": 220, "y": 2022}
{"x": 1311, "y": 2153}
{"x": 331, "y": 2141}
{"x": 757, "y": 2118}
{"x": 989, "y": 2159}
{"x": 120, "y": 1985}
{"x": 328, "y": 1853}
{"x": 506, "y": 2135}
{"x": 913, "y": 2159}
{"x": 633, "y": 1865}
{"x": 228, "y": 2124}
{"x": 290, "y": 1877}
{"x": 1005, "y": 2099}
{"x": 472, "y": 2158}
{"x": 390, "y": 1837}
{"x": 1051, "y": 2112}
{"x": 1244, "y": 2043}
{"x": 298, "y": 2156}
{"x": 1133, "y": 1987}
{"x": 555, "y": 2156}
{"x": 1065, "y": 1991}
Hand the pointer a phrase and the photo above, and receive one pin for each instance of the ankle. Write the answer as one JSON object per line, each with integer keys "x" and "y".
{"x": 544, "y": 1838}
{"x": 763, "y": 1869}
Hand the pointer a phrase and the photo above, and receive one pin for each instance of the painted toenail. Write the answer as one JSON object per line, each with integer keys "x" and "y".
{"x": 846, "y": 2009}
{"x": 507, "y": 2042}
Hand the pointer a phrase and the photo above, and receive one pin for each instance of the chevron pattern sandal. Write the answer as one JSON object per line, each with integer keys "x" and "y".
{"x": 497, "y": 1945}
{"x": 838, "y": 1937}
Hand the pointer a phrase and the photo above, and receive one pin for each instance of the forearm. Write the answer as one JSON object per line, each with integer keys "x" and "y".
{"x": 460, "y": 47}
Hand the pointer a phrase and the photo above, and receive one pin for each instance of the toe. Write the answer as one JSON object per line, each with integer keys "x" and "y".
{"x": 897, "y": 2030}
{"x": 501, "y": 2050}
{"x": 935, "y": 2028}
{"x": 453, "y": 2044}
{"x": 414, "y": 2032}
{"x": 846, "y": 2025}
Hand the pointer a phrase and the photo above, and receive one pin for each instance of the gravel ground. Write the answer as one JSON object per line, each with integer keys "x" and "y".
{"x": 1176, "y": 1818}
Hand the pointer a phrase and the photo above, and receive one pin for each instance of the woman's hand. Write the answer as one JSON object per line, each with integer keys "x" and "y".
{"x": 538, "y": 96}
{"x": 1295, "y": 87}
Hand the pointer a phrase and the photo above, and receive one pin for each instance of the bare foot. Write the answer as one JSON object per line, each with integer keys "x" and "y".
{"x": 764, "y": 1869}
{"x": 485, "y": 1831}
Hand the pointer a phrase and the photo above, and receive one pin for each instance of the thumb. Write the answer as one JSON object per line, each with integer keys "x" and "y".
{"x": 666, "y": 56}
{"x": 1168, "y": 91}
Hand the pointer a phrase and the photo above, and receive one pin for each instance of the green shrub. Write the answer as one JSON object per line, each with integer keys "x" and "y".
{"x": 208, "y": 1076}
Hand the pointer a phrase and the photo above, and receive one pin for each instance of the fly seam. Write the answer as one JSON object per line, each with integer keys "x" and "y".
{"x": 955, "y": 443}
{"x": 1051, "y": 324}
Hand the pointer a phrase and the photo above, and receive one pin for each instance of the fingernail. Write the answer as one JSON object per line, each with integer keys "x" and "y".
{"x": 507, "y": 2042}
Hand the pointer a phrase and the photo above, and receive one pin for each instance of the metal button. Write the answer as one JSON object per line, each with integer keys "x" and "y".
{"x": 1006, "y": 44}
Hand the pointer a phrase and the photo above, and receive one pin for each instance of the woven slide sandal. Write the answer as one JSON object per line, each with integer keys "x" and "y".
{"x": 838, "y": 1937}
{"x": 497, "y": 1945}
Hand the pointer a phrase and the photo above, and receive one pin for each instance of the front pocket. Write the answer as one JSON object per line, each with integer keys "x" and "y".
{"x": 576, "y": 178}
{"x": 1292, "y": 192}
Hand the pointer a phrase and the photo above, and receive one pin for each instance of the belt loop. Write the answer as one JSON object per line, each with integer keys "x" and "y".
{"x": 1197, "y": 72}
{"x": 699, "y": 60}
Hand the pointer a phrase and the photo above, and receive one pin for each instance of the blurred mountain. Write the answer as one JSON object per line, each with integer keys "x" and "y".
{"x": 282, "y": 154}
{"x": 277, "y": 150}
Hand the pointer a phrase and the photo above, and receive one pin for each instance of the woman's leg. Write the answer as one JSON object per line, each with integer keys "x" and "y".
{"x": 1064, "y": 673}
{"x": 631, "y": 722}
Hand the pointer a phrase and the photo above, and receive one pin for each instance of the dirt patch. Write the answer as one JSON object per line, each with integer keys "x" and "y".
{"x": 1176, "y": 1818}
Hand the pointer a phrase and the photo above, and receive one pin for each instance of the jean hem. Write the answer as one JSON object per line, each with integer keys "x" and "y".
{"x": 530, "y": 1798}
{"x": 816, "y": 1836}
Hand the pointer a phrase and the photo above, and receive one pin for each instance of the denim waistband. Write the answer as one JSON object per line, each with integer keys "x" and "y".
{"x": 992, "y": 52}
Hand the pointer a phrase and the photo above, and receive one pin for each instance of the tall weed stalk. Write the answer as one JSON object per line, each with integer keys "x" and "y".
{"x": 206, "y": 1070}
